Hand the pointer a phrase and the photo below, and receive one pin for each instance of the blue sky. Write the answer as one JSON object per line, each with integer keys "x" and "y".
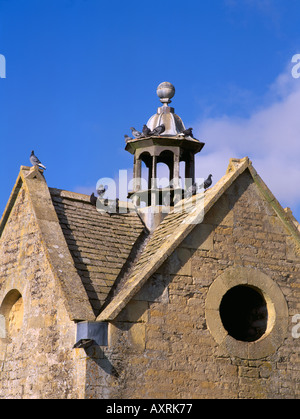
{"x": 80, "y": 73}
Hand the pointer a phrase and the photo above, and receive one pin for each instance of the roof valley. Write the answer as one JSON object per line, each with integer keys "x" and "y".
{"x": 136, "y": 253}
{"x": 100, "y": 243}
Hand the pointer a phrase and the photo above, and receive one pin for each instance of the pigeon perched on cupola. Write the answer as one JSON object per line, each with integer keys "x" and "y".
{"x": 135, "y": 133}
{"x": 188, "y": 132}
{"x": 158, "y": 130}
{"x": 146, "y": 131}
{"x": 127, "y": 138}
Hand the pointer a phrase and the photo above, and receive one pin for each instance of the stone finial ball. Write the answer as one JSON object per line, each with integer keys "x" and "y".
{"x": 165, "y": 90}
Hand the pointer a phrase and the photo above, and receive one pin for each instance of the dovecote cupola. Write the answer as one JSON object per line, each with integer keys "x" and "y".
{"x": 164, "y": 139}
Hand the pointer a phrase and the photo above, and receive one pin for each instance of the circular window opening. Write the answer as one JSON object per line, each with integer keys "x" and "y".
{"x": 243, "y": 311}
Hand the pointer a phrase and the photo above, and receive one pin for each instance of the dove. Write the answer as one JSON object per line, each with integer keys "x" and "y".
{"x": 208, "y": 182}
{"x": 158, "y": 130}
{"x": 135, "y": 133}
{"x": 127, "y": 138}
{"x": 35, "y": 161}
{"x": 188, "y": 132}
{"x": 146, "y": 131}
{"x": 93, "y": 199}
{"x": 101, "y": 190}
{"x": 192, "y": 190}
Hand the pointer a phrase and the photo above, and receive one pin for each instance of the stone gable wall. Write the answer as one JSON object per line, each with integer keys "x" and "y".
{"x": 36, "y": 355}
{"x": 166, "y": 342}
{"x": 160, "y": 345}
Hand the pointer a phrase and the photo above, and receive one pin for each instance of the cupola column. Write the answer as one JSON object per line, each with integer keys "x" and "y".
{"x": 176, "y": 171}
{"x": 190, "y": 168}
{"x": 154, "y": 192}
{"x": 137, "y": 173}
{"x": 154, "y": 172}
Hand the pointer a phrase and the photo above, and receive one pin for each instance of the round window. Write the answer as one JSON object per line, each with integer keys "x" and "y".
{"x": 244, "y": 314}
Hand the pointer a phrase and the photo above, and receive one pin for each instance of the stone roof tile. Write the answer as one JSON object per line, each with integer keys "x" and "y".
{"x": 99, "y": 243}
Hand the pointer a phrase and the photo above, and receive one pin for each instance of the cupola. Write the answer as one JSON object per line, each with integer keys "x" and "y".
{"x": 164, "y": 139}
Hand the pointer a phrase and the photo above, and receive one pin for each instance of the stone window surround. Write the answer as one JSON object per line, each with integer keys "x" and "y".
{"x": 10, "y": 299}
{"x": 277, "y": 313}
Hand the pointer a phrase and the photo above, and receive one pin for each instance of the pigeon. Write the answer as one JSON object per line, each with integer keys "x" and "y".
{"x": 127, "y": 138}
{"x": 93, "y": 199}
{"x": 101, "y": 190}
{"x": 135, "y": 133}
{"x": 192, "y": 190}
{"x": 208, "y": 182}
{"x": 158, "y": 130}
{"x": 35, "y": 161}
{"x": 146, "y": 131}
{"x": 188, "y": 132}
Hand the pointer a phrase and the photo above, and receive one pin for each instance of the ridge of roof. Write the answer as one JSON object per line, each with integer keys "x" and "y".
{"x": 163, "y": 242}
{"x": 77, "y": 196}
{"x": 290, "y": 214}
{"x": 289, "y": 221}
{"x": 12, "y": 199}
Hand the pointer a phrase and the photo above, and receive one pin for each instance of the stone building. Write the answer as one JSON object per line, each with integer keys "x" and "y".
{"x": 197, "y": 301}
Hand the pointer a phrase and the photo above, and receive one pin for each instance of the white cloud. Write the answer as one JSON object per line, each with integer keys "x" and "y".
{"x": 270, "y": 137}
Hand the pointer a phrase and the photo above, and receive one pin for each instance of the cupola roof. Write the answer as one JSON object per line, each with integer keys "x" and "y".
{"x": 165, "y": 114}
